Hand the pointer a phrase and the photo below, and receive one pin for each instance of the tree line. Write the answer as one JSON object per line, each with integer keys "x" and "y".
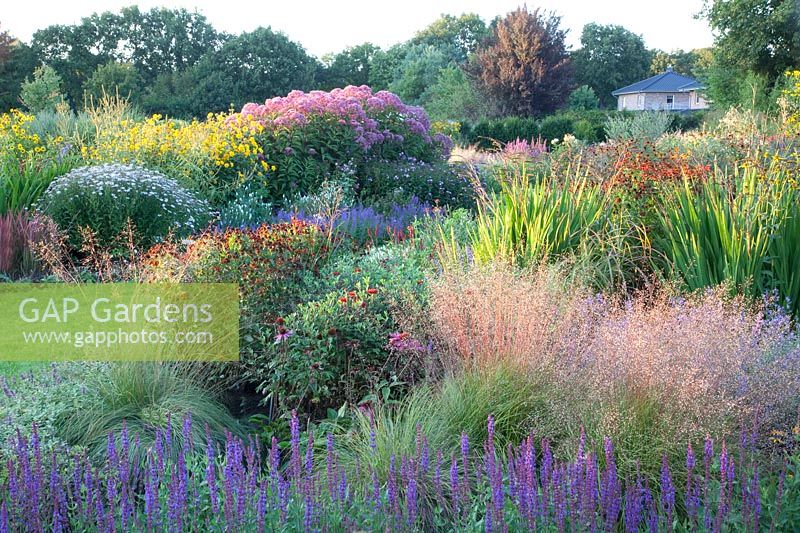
{"x": 174, "y": 62}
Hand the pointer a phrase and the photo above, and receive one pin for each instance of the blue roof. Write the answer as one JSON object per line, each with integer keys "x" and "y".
{"x": 666, "y": 82}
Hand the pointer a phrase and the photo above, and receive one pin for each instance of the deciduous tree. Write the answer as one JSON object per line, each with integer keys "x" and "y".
{"x": 525, "y": 66}
{"x": 610, "y": 57}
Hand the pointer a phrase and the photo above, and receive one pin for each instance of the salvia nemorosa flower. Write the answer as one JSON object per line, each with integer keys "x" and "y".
{"x": 509, "y": 490}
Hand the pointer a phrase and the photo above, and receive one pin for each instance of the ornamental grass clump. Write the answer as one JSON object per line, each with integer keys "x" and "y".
{"x": 20, "y": 234}
{"x": 649, "y": 371}
{"x": 107, "y": 198}
{"x": 528, "y": 221}
{"x": 237, "y": 486}
{"x": 742, "y": 231}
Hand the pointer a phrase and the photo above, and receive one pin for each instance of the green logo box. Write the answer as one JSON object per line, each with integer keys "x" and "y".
{"x": 119, "y": 322}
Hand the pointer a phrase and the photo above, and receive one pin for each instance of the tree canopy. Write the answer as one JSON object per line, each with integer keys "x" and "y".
{"x": 525, "y": 66}
{"x": 610, "y": 57}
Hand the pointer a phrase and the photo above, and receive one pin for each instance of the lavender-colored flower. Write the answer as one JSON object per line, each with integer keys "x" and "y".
{"x": 411, "y": 500}
{"x": 667, "y": 493}
{"x": 295, "y": 446}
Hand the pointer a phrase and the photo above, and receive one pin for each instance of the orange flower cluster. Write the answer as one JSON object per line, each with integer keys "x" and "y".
{"x": 262, "y": 259}
{"x": 639, "y": 172}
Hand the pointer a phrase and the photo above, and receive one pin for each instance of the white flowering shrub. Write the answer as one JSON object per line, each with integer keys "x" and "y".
{"x": 104, "y": 198}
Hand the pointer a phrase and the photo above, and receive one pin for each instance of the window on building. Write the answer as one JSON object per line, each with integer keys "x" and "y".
{"x": 670, "y": 99}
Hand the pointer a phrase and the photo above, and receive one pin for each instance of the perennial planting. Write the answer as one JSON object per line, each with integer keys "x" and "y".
{"x": 535, "y": 334}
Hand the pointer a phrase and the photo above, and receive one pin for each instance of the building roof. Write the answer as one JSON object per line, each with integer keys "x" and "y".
{"x": 666, "y": 82}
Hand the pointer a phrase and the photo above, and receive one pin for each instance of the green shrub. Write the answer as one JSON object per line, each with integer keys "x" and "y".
{"x": 513, "y": 128}
{"x": 43, "y": 92}
{"x": 143, "y": 397}
{"x": 687, "y": 121}
{"x": 328, "y": 352}
{"x": 555, "y": 127}
{"x": 247, "y": 208}
{"x": 583, "y": 98}
{"x": 336, "y": 346}
{"x": 487, "y": 132}
{"x": 105, "y": 198}
{"x": 397, "y": 181}
{"x": 640, "y": 126}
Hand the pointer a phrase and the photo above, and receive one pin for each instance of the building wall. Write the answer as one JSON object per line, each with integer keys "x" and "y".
{"x": 698, "y": 102}
{"x": 629, "y": 101}
{"x": 658, "y": 101}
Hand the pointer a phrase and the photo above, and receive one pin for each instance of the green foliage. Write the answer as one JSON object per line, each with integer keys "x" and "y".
{"x": 250, "y": 68}
{"x": 487, "y": 132}
{"x": 351, "y": 66}
{"x": 758, "y": 36}
{"x": 16, "y": 66}
{"x": 247, "y": 208}
{"x": 43, "y": 92}
{"x": 610, "y": 57}
{"x": 335, "y": 352}
{"x": 527, "y": 222}
{"x": 385, "y": 65}
{"x": 453, "y": 97}
{"x": 170, "y": 95}
{"x": 555, "y": 127}
{"x": 38, "y": 396}
{"x": 460, "y": 404}
{"x": 744, "y": 234}
{"x": 588, "y": 125}
{"x": 418, "y": 71}
{"x": 166, "y": 41}
{"x": 142, "y": 397}
{"x": 334, "y": 346}
{"x": 639, "y": 127}
{"x": 462, "y": 34}
{"x": 22, "y": 184}
{"x": 106, "y": 198}
{"x": 583, "y": 98}
{"x": 692, "y": 63}
{"x": 397, "y": 181}
{"x": 114, "y": 78}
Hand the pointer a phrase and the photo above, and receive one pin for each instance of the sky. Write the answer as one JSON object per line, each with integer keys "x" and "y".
{"x": 329, "y": 26}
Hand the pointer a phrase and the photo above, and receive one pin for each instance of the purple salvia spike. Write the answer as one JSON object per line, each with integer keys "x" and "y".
{"x": 168, "y": 434}
{"x": 211, "y": 472}
{"x": 187, "y": 432}
{"x": 261, "y": 511}
{"x": 424, "y": 461}
{"x": 376, "y": 490}
{"x": 392, "y": 486}
{"x": 454, "y": 483}
{"x": 465, "y": 466}
{"x": 437, "y": 476}
{"x": 295, "y": 445}
{"x": 330, "y": 466}
{"x": 411, "y": 500}
{"x": 4, "y": 522}
{"x": 159, "y": 445}
{"x": 667, "y": 494}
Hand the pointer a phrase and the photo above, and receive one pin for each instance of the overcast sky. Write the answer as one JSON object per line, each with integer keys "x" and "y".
{"x": 329, "y": 26}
